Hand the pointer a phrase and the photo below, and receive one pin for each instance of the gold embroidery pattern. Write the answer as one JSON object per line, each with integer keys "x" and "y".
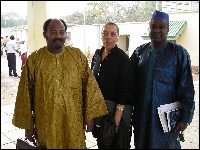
{"x": 62, "y": 82}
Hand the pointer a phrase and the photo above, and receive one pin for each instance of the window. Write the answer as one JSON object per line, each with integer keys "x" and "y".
{"x": 68, "y": 36}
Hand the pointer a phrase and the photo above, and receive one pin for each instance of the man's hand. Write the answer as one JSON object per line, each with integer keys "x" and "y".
{"x": 30, "y": 134}
{"x": 18, "y": 51}
{"x": 181, "y": 126}
{"x": 88, "y": 126}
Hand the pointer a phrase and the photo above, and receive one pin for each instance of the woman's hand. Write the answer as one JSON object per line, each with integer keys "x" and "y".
{"x": 118, "y": 115}
{"x": 117, "y": 125}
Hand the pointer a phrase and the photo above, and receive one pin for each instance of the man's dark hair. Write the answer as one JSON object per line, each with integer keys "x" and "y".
{"x": 12, "y": 37}
{"x": 112, "y": 23}
{"x": 6, "y": 36}
{"x": 46, "y": 23}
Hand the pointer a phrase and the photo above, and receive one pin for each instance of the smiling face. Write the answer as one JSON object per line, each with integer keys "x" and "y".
{"x": 55, "y": 36}
{"x": 109, "y": 36}
{"x": 159, "y": 29}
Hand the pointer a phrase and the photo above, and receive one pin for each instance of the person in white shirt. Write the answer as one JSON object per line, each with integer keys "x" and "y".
{"x": 11, "y": 49}
{"x": 23, "y": 51}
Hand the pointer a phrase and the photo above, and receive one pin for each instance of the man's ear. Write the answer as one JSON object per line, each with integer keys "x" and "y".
{"x": 44, "y": 35}
{"x": 167, "y": 30}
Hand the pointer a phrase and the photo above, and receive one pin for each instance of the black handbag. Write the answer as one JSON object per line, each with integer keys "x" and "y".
{"x": 111, "y": 107}
{"x": 24, "y": 143}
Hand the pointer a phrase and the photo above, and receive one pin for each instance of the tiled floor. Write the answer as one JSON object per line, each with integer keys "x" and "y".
{"x": 10, "y": 133}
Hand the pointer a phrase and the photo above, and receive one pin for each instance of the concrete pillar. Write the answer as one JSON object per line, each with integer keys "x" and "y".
{"x": 36, "y": 16}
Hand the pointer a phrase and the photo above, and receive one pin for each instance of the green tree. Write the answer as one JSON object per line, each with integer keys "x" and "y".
{"x": 100, "y": 12}
{"x": 88, "y": 52}
{"x": 145, "y": 10}
{"x": 12, "y": 19}
{"x": 74, "y": 18}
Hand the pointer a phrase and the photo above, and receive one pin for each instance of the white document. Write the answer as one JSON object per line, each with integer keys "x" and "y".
{"x": 161, "y": 112}
{"x": 168, "y": 119}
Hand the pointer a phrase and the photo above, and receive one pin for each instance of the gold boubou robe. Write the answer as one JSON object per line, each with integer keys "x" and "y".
{"x": 66, "y": 94}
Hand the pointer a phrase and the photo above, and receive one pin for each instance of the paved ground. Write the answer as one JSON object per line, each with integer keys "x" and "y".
{"x": 10, "y": 133}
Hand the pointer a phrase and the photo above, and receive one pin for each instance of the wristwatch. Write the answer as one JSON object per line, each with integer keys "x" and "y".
{"x": 120, "y": 108}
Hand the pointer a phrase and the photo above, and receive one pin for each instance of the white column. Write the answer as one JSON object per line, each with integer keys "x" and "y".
{"x": 36, "y": 16}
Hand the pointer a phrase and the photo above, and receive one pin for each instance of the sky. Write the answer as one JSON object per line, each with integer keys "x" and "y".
{"x": 63, "y": 7}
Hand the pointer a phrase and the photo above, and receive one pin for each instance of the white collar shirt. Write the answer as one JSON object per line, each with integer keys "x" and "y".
{"x": 11, "y": 46}
{"x": 23, "y": 48}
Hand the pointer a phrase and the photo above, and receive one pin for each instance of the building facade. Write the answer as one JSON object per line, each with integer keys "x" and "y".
{"x": 184, "y": 27}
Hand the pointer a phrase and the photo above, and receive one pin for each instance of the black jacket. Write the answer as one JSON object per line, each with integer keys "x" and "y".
{"x": 115, "y": 75}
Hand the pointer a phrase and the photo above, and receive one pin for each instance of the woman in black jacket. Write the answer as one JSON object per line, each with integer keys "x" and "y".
{"x": 114, "y": 73}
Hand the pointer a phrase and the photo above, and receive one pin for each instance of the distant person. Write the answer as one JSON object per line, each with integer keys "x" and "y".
{"x": 5, "y": 41}
{"x": 11, "y": 50}
{"x": 114, "y": 73}
{"x": 163, "y": 76}
{"x": 23, "y": 52}
{"x": 2, "y": 48}
{"x": 65, "y": 94}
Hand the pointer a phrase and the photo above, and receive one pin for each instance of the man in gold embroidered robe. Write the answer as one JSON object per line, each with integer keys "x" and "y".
{"x": 58, "y": 85}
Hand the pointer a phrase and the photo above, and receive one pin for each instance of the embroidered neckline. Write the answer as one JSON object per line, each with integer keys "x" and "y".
{"x": 159, "y": 49}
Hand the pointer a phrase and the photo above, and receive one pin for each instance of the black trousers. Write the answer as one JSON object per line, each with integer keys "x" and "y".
{"x": 11, "y": 57}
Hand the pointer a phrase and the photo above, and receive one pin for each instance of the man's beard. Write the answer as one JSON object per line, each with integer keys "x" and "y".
{"x": 58, "y": 46}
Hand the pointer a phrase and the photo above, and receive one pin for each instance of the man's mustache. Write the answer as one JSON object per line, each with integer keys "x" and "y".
{"x": 61, "y": 40}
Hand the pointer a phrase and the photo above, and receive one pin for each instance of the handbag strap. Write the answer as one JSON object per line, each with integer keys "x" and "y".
{"x": 96, "y": 62}
{"x": 31, "y": 88}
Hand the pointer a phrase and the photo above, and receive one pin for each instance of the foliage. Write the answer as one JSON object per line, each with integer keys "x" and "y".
{"x": 127, "y": 52}
{"x": 88, "y": 52}
{"x": 97, "y": 12}
{"x": 12, "y": 19}
{"x": 196, "y": 71}
{"x": 145, "y": 10}
{"x": 75, "y": 18}
{"x": 100, "y": 12}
